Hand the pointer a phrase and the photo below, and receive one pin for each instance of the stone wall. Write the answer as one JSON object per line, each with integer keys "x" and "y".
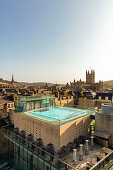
{"x": 65, "y": 102}
{"x": 74, "y": 129}
{"x": 39, "y": 129}
{"x": 92, "y": 102}
{"x": 3, "y": 113}
{"x": 57, "y": 135}
{"x": 104, "y": 123}
{"x": 87, "y": 102}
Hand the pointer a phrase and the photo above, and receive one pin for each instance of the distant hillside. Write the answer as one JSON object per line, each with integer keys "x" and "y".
{"x": 40, "y": 84}
{"x": 4, "y": 81}
{"x": 108, "y": 84}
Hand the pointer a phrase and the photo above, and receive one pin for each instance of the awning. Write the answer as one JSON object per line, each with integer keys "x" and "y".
{"x": 101, "y": 134}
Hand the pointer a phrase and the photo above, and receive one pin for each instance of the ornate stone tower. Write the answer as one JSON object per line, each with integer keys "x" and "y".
{"x": 90, "y": 77}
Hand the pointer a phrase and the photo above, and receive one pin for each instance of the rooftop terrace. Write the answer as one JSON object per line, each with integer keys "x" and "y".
{"x": 58, "y": 115}
{"x": 98, "y": 158}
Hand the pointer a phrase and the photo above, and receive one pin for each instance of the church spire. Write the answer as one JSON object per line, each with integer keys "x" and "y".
{"x": 12, "y": 81}
{"x": 74, "y": 81}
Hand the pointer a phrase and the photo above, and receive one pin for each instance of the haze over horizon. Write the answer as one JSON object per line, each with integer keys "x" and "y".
{"x": 56, "y": 41}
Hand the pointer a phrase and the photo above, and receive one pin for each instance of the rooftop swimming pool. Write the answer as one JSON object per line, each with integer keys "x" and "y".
{"x": 57, "y": 113}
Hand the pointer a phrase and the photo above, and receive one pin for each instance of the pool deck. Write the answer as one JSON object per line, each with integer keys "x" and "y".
{"x": 55, "y": 121}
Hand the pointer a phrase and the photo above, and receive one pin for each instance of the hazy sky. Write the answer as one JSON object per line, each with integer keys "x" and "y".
{"x": 56, "y": 40}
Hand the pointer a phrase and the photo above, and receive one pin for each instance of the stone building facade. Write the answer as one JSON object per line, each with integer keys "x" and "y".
{"x": 104, "y": 125}
{"x": 58, "y": 135}
{"x": 83, "y": 101}
{"x": 88, "y": 85}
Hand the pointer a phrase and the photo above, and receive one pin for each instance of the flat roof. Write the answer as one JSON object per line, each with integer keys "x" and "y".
{"x": 103, "y": 135}
{"x": 57, "y": 115}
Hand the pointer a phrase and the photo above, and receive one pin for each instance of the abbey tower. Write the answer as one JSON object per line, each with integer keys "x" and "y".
{"x": 90, "y": 77}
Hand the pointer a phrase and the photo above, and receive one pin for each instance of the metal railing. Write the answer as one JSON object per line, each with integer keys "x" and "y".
{"x": 53, "y": 160}
{"x": 105, "y": 163}
{"x": 33, "y": 98}
{"x": 22, "y": 101}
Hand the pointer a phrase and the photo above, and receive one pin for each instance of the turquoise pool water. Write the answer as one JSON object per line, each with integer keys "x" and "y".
{"x": 57, "y": 113}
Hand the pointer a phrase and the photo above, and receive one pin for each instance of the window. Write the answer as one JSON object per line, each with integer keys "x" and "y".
{"x": 11, "y": 105}
{"x": 99, "y": 97}
{"x": 106, "y": 98}
{"x": 8, "y": 105}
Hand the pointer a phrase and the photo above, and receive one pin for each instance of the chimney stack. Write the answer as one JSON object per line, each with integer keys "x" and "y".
{"x": 87, "y": 148}
{"x": 74, "y": 155}
{"x": 92, "y": 143}
{"x": 81, "y": 152}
